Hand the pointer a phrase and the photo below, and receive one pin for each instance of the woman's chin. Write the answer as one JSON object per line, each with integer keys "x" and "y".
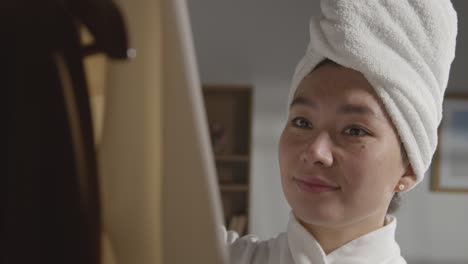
{"x": 319, "y": 216}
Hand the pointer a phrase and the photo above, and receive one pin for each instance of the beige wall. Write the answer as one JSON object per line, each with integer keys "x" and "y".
{"x": 130, "y": 149}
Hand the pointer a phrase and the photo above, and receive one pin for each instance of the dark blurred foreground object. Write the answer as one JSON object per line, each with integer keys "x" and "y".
{"x": 50, "y": 199}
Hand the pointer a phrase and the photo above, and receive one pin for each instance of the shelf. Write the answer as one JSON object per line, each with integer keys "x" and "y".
{"x": 232, "y": 158}
{"x": 234, "y": 187}
{"x": 228, "y": 110}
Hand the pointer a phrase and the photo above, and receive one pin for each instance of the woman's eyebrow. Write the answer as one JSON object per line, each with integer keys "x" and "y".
{"x": 346, "y": 109}
{"x": 357, "y": 109}
{"x": 303, "y": 102}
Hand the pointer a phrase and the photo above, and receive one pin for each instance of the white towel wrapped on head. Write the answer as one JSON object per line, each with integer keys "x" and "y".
{"x": 404, "y": 48}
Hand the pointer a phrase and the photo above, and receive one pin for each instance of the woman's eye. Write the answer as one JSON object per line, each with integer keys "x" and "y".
{"x": 356, "y": 132}
{"x": 301, "y": 122}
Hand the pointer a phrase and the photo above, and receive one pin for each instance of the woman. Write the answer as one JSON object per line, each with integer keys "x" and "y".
{"x": 364, "y": 108}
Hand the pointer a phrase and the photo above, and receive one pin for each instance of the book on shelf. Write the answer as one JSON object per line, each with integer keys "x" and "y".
{"x": 238, "y": 223}
{"x": 225, "y": 174}
{"x": 233, "y": 223}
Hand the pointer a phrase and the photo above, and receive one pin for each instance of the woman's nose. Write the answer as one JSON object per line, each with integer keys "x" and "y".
{"x": 318, "y": 150}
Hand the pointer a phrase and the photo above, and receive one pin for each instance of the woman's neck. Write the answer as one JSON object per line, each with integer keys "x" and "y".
{"x": 331, "y": 238}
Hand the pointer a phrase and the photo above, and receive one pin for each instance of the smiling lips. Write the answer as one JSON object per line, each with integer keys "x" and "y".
{"x": 314, "y": 185}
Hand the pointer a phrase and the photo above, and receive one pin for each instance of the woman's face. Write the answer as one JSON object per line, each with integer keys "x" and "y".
{"x": 339, "y": 153}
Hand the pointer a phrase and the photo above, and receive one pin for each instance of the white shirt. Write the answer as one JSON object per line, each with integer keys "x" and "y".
{"x": 298, "y": 246}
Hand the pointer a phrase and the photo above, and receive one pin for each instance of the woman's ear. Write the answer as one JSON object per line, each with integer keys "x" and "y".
{"x": 407, "y": 180}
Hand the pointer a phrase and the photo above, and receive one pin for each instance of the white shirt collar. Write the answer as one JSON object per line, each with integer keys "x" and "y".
{"x": 374, "y": 247}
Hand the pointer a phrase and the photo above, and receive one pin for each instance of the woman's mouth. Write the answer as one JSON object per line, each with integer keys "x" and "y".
{"x": 314, "y": 186}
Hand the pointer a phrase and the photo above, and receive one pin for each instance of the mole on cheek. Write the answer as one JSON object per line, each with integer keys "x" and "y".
{"x": 357, "y": 150}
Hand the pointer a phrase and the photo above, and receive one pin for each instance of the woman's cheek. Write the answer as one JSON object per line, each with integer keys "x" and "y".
{"x": 356, "y": 164}
{"x": 287, "y": 147}
{"x": 294, "y": 138}
{"x": 354, "y": 150}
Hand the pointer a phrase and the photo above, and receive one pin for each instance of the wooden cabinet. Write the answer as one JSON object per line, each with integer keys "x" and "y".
{"x": 229, "y": 112}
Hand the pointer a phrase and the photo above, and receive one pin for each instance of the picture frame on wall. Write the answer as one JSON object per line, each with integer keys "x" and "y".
{"x": 450, "y": 167}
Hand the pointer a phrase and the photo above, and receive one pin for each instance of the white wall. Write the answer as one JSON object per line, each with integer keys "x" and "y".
{"x": 433, "y": 226}
{"x": 458, "y": 77}
{"x": 259, "y": 43}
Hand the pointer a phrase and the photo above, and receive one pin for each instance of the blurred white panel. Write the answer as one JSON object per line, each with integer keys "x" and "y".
{"x": 191, "y": 202}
